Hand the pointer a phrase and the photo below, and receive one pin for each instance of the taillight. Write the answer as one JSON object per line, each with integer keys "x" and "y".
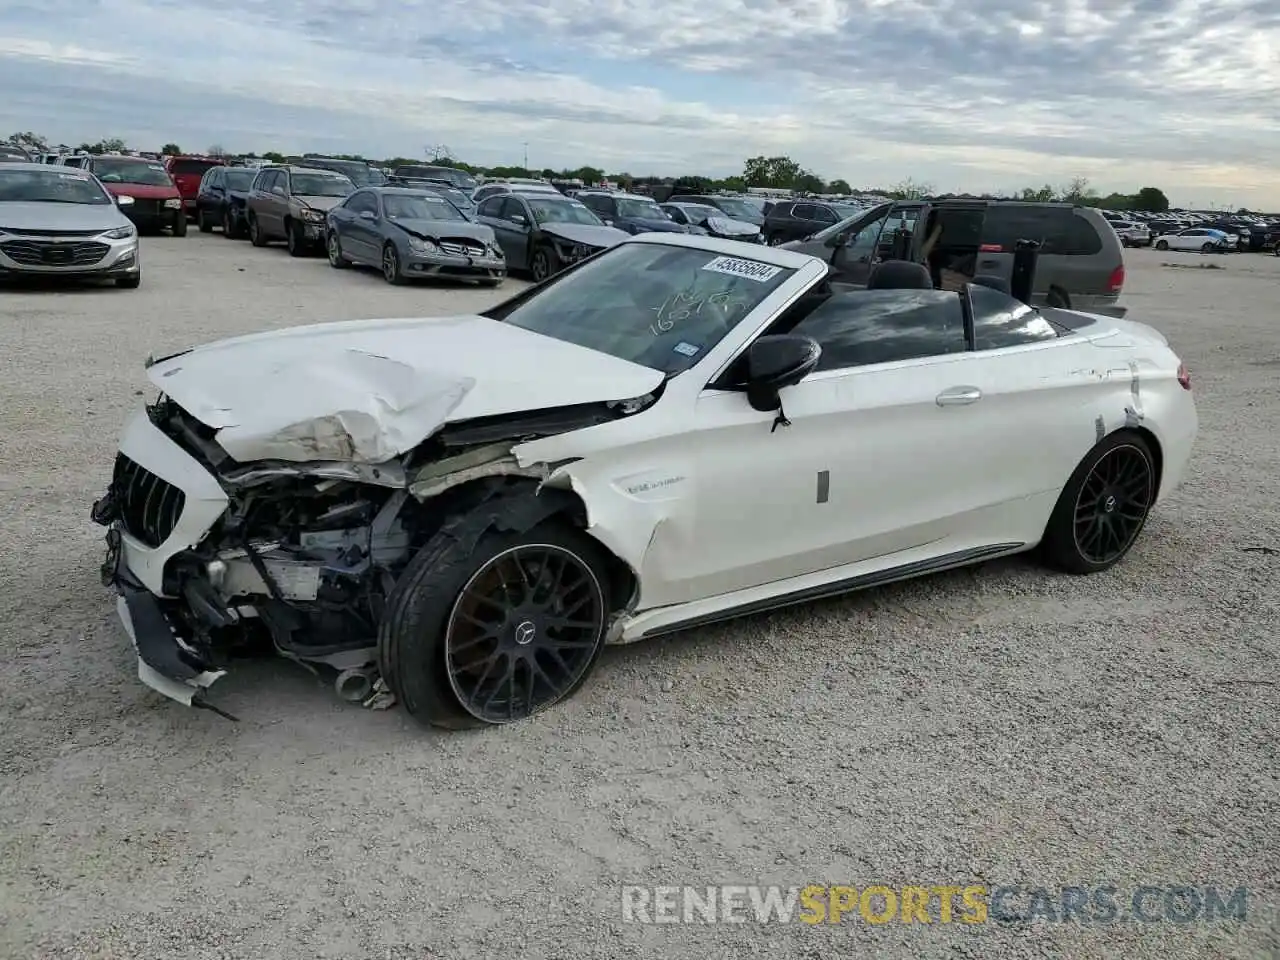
{"x": 1115, "y": 283}
{"x": 1184, "y": 376}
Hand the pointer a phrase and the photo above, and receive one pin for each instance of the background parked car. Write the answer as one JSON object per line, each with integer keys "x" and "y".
{"x": 544, "y": 232}
{"x": 735, "y": 208}
{"x": 144, "y": 191}
{"x": 629, "y": 212}
{"x": 59, "y": 223}
{"x": 450, "y": 175}
{"x": 703, "y": 219}
{"x": 504, "y": 186}
{"x": 794, "y": 220}
{"x": 12, "y": 153}
{"x": 1133, "y": 234}
{"x": 1080, "y": 265}
{"x": 289, "y": 204}
{"x": 222, "y": 200}
{"x": 412, "y": 234}
{"x": 187, "y": 172}
{"x": 459, "y": 198}
{"x": 358, "y": 172}
{"x": 1203, "y": 239}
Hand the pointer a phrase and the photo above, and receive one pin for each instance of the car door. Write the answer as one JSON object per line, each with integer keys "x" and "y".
{"x": 277, "y": 204}
{"x": 352, "y": 232}
{"x": 1187, "y": 240}
{"x": 209, "y": 197}
{"x": 850, "y": 473}
{"x": 261, "y": 197}
{"x": 512, "y": 235}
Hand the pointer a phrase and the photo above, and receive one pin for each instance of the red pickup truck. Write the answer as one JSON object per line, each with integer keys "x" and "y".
{"x": 187, "y": 172}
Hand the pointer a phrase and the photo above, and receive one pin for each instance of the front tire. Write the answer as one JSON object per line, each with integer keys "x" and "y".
{"x": 1103, "y": 507}
{"x": 544, "y": 265}
{"x": 228, "y": 226}
{"x": 180, "y": 223}
{"x": 129, "y": 283}
{"x": 1162, "y": 245}
{"x": 494, "y": 633}
{"x": 1208, "y": 248}
{"x": 202, "y": 223}
{"x": 391, "y": 265}
{"x": 333, "y": 247}
{"x": 256, "y": 236}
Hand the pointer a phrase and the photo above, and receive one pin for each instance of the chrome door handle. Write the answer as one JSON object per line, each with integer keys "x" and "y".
{"x": 959, "y": 396}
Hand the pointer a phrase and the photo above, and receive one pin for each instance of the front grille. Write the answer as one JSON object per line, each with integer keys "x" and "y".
{"x": 149, "y": 506}
{"x": 145, "y": 208}
{"x": 462, "y": 247}
{"x": 45, "y": 253}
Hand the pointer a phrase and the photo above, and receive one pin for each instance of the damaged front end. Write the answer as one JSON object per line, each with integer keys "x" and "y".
{"x": 214, "y": 559}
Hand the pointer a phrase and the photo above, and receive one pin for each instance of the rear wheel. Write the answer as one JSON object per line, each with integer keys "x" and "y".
{"x": 228, "y": 226}
{"x": 256, "y": 236}
{"x": 496, "y": 632}
{"x": 180, "y": 223}
{"x": 203, "y": 224}
{"x": 1103, "y": 507}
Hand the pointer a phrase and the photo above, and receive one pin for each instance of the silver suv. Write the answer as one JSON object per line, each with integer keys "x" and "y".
{"x": 1081, "y": 262}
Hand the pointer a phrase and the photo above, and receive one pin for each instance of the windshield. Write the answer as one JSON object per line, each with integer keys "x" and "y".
{"x": 419, "y": 208}
{"x": 872, "y": 215}
{"x": 240, "y": 179}
{"x": 561, "y": 211}
{"x": 738, "y": 209}
{"x": 659, "y": 306}
{"x": 358, "y": 173}
{"x": 52, "y": 186}
{"x": 700, "y": 211}
{"x": 640, "y": 209}
{"x": 320, "y": 185}
{"x": 844, "y": 210}
{"x": 456, "y": 197}
{"x": 131, "y": 171}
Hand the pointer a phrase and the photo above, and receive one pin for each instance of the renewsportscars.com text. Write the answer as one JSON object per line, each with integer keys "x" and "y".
{"x": 934, "y": 904}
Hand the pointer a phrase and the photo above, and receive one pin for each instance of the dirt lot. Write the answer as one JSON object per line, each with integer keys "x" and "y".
{"x": 999, "y": 725}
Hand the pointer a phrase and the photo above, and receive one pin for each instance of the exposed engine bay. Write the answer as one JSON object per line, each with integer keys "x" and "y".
{"x": 303, "y": 559}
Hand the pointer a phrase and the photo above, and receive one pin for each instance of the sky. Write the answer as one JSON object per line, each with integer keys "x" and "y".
{"x": 991, "y": 95}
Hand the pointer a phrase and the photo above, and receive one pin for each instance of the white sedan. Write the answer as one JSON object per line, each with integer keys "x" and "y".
{"x": 456, "y": 514}
{"x": 1202, "y": 239}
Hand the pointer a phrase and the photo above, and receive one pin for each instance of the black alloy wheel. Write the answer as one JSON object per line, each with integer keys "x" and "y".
{"x": 391, "y": 264}
{"x": 523, "y": 632}
{"x": 296, "y": 242}
{"x": 542, "y": 266}
{"x": 1104, "y": 505}
{"x": 333, "y": 247}
{"x": 1113, "y": 504}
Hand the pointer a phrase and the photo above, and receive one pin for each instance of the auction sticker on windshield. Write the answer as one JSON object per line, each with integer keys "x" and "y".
{"x": 750, "y": 269}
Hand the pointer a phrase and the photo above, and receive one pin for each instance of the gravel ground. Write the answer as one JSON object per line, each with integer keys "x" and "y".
{"x": 997, "y": 725}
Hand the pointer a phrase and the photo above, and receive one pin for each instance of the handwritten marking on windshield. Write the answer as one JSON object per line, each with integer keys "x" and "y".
{"x": 682, "y": 306}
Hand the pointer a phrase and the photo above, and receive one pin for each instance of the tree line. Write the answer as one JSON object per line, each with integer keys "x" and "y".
{"x": 781, "y": 173}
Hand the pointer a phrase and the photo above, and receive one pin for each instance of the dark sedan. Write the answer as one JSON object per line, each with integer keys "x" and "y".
{"x": 797, "y": 219}
{"x": 629, "y": 212}
{"x": 411, "y": 234}
{"x": 221, "y": 200}
{"x": 545, "y": 232}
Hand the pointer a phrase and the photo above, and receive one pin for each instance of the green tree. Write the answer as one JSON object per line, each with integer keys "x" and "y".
{"x": 807, "y": 182}
{"x": 1038, "y": 195}
{"x": 777, "y": 172}
{"x": 1151, "y": 200}
{"x": 839, "y": 186}
{"x": 910, "y": 189}
{"x": 170, "y": 150}
{"x": 1078, "y": 190}
{"x": 31, "y": 142}
{"x": 272, "y": 157}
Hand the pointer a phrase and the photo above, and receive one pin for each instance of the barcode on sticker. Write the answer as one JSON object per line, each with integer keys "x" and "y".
{"x": 747, "y": 269}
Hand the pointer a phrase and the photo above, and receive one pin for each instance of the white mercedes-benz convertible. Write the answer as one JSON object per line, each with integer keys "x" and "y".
{"x": 456, "y": 514}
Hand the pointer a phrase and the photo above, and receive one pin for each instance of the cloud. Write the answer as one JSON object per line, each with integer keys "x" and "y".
{"x": 1176, "y": 93}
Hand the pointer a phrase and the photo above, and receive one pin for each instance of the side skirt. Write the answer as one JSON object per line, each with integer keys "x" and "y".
{"x": 906, "y": 571}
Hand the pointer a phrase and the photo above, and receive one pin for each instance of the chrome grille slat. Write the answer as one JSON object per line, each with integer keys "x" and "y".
{"x": 461, "y": 247}
{"x": 150, "y": 506}
{"x": 45, "y": 253}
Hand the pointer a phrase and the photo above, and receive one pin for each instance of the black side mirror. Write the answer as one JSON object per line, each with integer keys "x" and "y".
{"x": 839, "y": 241}
{"x": 774, "y": 363}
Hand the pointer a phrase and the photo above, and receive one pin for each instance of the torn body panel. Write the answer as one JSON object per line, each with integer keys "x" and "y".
{"x": 369, "y": 391}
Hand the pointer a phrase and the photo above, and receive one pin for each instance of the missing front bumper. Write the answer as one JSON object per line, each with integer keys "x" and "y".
{"x": 166, "y": 662}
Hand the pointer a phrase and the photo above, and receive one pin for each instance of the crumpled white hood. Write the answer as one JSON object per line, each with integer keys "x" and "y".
{"x": 727, "y": 227}
{"x": 366, "y": 391}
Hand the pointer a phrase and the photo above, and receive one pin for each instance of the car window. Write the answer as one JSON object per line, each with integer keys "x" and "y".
{"x": 50, "y": 186}
{"x": 824, "y": 214}
{"x": 510, "y": 208}
{"x": 411, "y": 207}
{"x": 125, "y": 170}
{"x": 1001, "y": 321}
{"x": 675, "y": 213}
{"x": 881, "y": 326}
{"x": 490, "y": 208}
{"x": 264, "y": 181}
{"x": 304, "y": 184}
{"x": 361, "y": 202}
{"x": 639, "y": 209}
{"x": 237, "y": 178}
{"x": 212, "y": 178}
{"x": 660, "y": 306}
{"x": 597, "y": 203}
{"x": 803, "y": 211}
{"x": 560, "y": 210}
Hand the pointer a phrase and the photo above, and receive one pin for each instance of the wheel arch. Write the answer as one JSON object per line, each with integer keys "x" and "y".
{"x": 516, "y": 501}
